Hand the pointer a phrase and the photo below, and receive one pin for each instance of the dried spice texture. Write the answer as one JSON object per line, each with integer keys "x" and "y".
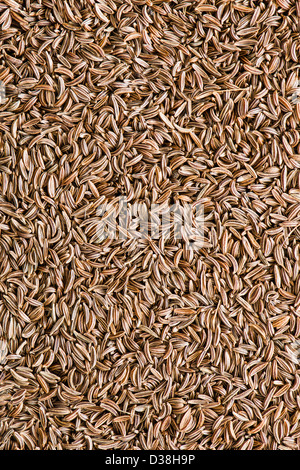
{"x": 142, "y": 343}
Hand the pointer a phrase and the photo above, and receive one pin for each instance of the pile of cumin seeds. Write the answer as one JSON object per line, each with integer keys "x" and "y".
{"x": 140, "y": 343}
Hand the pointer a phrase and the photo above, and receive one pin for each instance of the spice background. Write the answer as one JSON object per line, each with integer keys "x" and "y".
{"x": 142, "y": 343}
